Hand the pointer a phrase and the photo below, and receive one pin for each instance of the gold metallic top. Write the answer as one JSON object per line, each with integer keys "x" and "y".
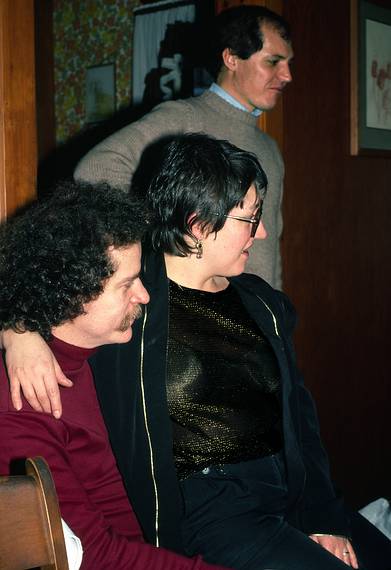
{"x": 223, "y": 382}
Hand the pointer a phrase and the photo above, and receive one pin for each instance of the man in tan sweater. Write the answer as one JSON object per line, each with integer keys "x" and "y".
{"x": 252, "y": 53}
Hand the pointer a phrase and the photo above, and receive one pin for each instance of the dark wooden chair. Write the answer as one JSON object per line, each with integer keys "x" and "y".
{"x": 31, "y": 533}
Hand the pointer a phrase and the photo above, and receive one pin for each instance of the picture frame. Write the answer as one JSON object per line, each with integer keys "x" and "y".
{"x": 370, "y": 89}
{"x": 100, "y": 101}
{"x": 163, "y": 50}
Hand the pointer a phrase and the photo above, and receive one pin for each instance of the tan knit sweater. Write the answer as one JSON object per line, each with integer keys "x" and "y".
{"x": 115, "y": 159}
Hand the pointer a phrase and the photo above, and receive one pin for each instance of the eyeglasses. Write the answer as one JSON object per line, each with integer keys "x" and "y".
{"x": 255, "y": 220}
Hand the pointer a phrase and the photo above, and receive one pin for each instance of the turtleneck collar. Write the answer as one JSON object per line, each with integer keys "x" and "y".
{"x": 70, "y": 357}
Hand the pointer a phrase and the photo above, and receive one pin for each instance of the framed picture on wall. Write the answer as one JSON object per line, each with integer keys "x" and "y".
{"x": 100, "y": 92}
{"x": 370, "y": 78}
{"x": 167, "y": 51}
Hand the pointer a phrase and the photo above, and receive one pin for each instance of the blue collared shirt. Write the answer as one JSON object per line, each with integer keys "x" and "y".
{"x": 231, "y": 100}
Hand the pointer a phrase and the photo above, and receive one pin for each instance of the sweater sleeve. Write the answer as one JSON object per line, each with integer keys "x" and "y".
{"x": 30, "y": 434}
{"x": 278, "y": 213}
{"x": 115, "y": 159}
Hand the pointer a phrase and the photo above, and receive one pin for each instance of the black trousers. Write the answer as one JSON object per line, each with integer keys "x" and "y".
{"x": 235, "y": 516}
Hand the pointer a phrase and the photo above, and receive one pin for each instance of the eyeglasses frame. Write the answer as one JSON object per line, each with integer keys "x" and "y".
{"x": 255, "y": 220}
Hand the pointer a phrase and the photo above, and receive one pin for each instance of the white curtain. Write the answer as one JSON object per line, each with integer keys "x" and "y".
{"x": 149, "y": 30}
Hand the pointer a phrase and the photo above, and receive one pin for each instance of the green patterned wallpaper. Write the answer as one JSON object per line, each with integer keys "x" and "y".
{"x": 86, "y": 33}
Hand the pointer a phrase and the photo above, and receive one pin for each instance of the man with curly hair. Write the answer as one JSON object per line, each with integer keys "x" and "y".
{"x": 70, "y": 270}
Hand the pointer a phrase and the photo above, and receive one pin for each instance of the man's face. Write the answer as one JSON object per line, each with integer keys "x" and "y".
{"x": 258, "y": 81}
{"x": 109, "y": 318}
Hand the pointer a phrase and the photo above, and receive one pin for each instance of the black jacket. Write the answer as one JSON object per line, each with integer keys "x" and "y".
{"x": 130, "y": 381}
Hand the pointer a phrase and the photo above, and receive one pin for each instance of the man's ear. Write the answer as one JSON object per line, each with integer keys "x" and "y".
{"x": 230, "y": 59}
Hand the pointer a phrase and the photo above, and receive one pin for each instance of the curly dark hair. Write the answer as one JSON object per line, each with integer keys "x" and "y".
{"x": 188, "y": 174}
{"x": 54, "y": 256}
{"x": 240, "y": 30}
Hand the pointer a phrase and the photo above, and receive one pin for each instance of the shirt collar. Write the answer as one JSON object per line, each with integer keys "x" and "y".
{"x": 231, "y": 100}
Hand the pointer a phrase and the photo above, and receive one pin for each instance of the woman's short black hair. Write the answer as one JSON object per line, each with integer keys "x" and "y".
{"x": 193, "y": 178}
{"x": 54, "y": 256}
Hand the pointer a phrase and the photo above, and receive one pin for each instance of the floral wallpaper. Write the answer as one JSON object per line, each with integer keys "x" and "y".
{"x": 87, "y": 33}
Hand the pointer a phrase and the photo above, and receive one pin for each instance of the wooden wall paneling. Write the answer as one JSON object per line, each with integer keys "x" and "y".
{"x": 44, "y": 59}
{"x": 18, "y": 156}
{"x": 336, "y": 253}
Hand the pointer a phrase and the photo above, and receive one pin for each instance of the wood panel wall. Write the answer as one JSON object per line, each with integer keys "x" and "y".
{"x": 18, "y": 162}
{"x": 337, "y": 253}
{"x": 44, "y": 60}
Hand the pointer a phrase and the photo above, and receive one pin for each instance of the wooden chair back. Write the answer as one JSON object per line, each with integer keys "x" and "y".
{"x": 31, "y": 533}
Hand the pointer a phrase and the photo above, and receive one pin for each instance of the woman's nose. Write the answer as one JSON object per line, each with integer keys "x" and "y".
{"x": 261, "y": 232}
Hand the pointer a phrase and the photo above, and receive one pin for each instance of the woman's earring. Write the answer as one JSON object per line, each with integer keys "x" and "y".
{"x": 199, "y": 249}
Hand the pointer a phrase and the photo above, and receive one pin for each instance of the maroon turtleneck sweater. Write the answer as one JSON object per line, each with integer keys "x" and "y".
{"x": 91, "y": 495}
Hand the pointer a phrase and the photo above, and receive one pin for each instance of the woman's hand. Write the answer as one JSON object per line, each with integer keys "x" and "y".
{"x": 337, "y": 545}
{"x": 33, "y": 369}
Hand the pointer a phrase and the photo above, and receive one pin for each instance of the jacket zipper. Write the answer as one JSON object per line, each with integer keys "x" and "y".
{"x": 272, "y": 314}
{"x": 146, "y": 424}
